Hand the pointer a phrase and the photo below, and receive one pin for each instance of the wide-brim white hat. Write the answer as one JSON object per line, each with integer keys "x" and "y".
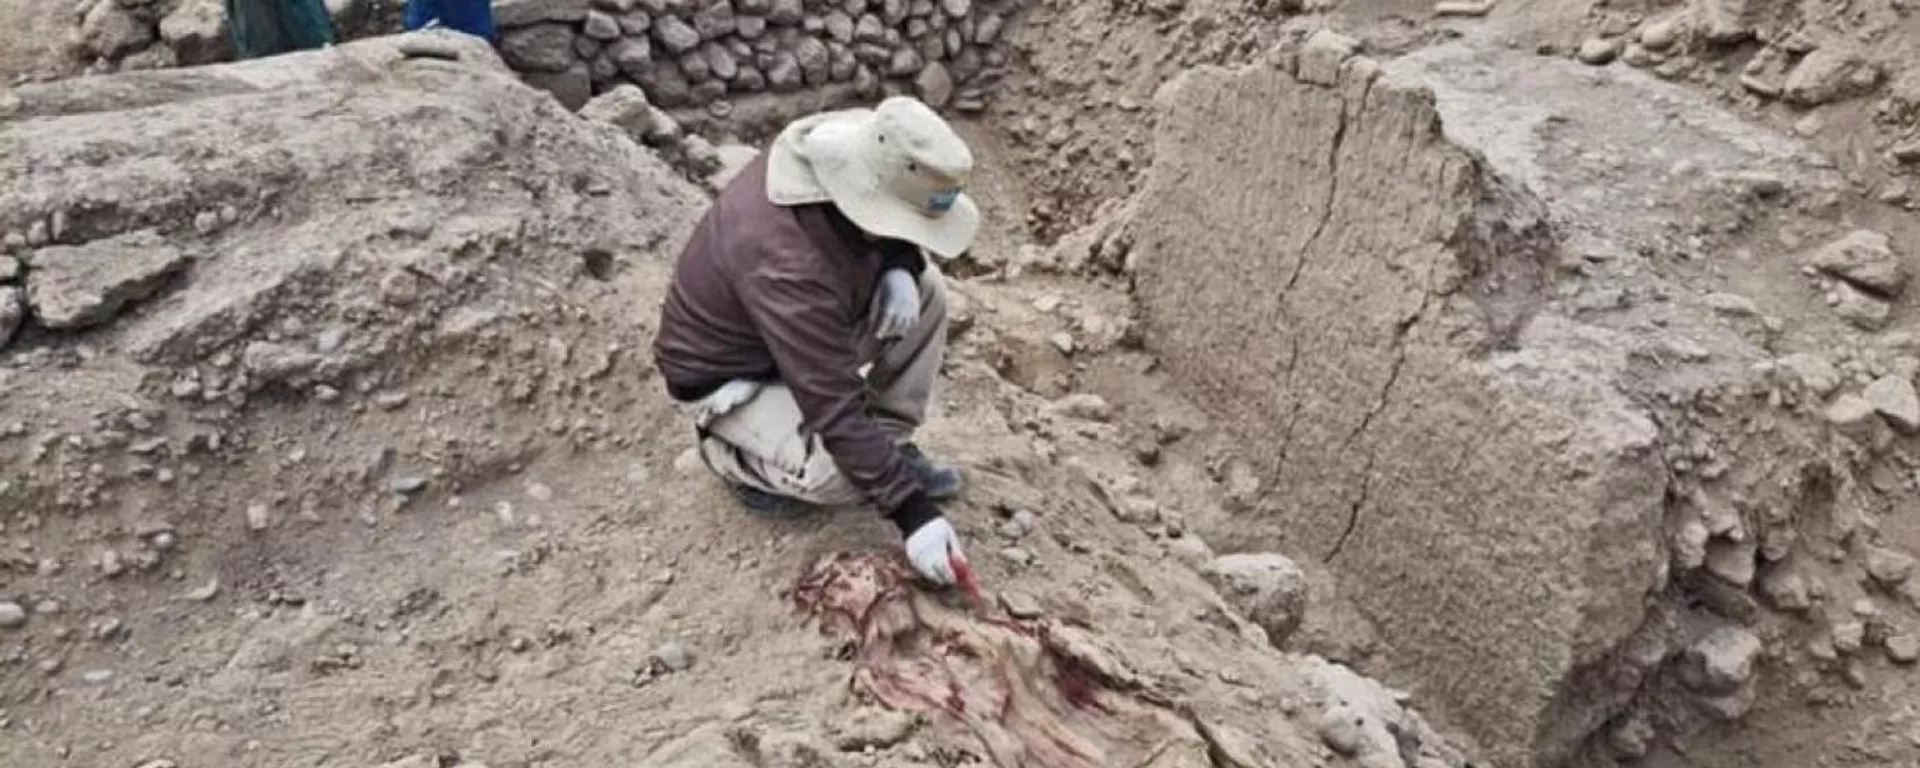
{"x": 896, "y": 171}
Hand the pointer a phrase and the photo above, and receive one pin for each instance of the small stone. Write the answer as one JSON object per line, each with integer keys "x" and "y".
{"x": 1895, "y": 399}
{"x": 1732, "y": 561}
{"x": 205, "y": 592}
{"x": 258, "y": 517}
{"x": 1732, "y": 305}
{"x": 934, "y": 85}
{"x": 1661, "y": 34}
{"x": 1018, "y": 525}
{"x": 1889, "y": 567}
{"x": 1827, "y": 74}
{"x": 391, "y": 400}
{"x": 675, "y": 35}
{"x": 1849, "y": 411}
{"x": 13, "y": 312}
{"x": 1863, "y": 310}
{"x": 1017, "y": 556}
{"x": 1720, "y": 661}
{"x": 1599, "y": 51}
{"x": 1062, "y": 341}
{"x": 786, "y": 13}
{"x": 1903, "y": 649}
{"x": 871, "y": 728}
{"x": 1020, "y": 605}
{"x": 163, "y": 541}
{"x": 539, "y": 492}
{"x": 98, "y": 676}
{"x": 1848, "y": 637}
{"x": 12, "y": 616}
{"x": 1864, "y": 258}
{"x": 1268, "y": 588}
{"x": 1340, "y": 729}
{"x": 407, "y": 485}
{"x": 601, "y": 26}
{"x": 112, "y": 564}
{"x": 674, "y": 656}
{"x": 1725, "y": 22}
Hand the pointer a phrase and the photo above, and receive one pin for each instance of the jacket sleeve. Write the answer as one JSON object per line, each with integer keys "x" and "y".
{"x": 804, "y": 325}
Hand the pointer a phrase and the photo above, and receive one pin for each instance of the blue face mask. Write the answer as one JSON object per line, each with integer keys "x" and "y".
{"x": 943, "y": 202}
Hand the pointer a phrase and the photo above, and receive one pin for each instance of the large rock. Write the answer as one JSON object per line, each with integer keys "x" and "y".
{"x": 112, "y": 31}
{"x": 539, "y": 48}
{"x": 70, "y": 287}
{"x": 1360, "y": 278}
{"x": 572, "y": 87}
{"x": 1827, "y": 74}
{"x": 521, "y": 13}
{"x": 197, "y": 32}
{"x": 1268, "y": 588}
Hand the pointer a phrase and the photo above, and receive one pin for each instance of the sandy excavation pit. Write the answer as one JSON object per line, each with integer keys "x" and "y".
{"x": 1339, "y": 385}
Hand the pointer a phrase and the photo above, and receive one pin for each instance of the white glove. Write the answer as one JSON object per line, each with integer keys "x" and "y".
{"x": 899, "y": 303}
{"x": 729, "y": 396}
{"x": 930, "y": 547}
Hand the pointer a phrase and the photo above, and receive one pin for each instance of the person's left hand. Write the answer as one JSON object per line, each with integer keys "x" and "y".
{"x": 899, "y": 304}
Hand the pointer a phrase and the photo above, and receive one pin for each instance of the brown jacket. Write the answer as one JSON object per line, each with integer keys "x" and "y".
{"x": 776, "y": 293}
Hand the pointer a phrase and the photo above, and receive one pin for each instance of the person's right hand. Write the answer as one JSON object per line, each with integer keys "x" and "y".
{"x": 930, "y": 547}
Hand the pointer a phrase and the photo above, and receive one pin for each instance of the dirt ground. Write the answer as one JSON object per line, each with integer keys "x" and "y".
{"x": 1440, "y": 392}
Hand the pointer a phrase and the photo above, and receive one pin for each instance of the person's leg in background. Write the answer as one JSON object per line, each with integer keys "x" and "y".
{"x": 764, "y": 453}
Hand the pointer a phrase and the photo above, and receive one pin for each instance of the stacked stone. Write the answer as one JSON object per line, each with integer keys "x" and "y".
{"x": 695, "y": 53}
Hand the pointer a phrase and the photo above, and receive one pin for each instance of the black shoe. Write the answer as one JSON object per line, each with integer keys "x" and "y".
{"x": 940, "y": 482}
{"x": 771, "y": 506}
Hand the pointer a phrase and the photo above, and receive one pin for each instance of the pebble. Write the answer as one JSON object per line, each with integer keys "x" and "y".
{"x": 1018, "y": 525}
{"x": 1083, "y": 406}
{"x": 111, "y": 564}
{"x": 1721, "y": 661}
{"x": 12, "y": 615}
{"x": 674, "y": 656}
{"x": 204, "y": 593}
{"x": 1848, "y": 636}
{"x": 389, "y": 401}
{"x": 1599, "y": 51}
{"x": 539, "y": 492}
{"x": 409, "y": 484}
{"x": 257, "y": 518}
{"x": 158, "y": 763}
{"x": 1017, "y": 555}
{"x": 1903, "y": 649}
{"x": 1062, "y": 341}
{"x": 98, "y": 676}
{"x": 1888, "y": 567}
{"x": 164, "y": 540}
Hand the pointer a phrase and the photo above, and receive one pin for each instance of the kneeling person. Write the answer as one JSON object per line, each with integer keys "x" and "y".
{"x": 806, "y": 326}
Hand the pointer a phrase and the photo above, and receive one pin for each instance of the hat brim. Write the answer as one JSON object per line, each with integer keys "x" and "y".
{"x": 795, "y": 177}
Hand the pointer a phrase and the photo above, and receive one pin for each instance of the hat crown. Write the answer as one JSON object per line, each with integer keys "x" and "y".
{"x": 919, "y": 158}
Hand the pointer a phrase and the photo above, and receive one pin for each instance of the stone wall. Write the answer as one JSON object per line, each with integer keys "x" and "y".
{"x": 707, "y": 53}
{"x": 689, "y": 55}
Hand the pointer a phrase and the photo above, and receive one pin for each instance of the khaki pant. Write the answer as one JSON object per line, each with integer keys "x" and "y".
{"x": 764, "y": 443}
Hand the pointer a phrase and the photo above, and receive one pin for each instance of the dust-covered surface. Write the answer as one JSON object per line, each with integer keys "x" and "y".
{"x": 362, "y": 462}
{"x": 1547, "y": 369}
